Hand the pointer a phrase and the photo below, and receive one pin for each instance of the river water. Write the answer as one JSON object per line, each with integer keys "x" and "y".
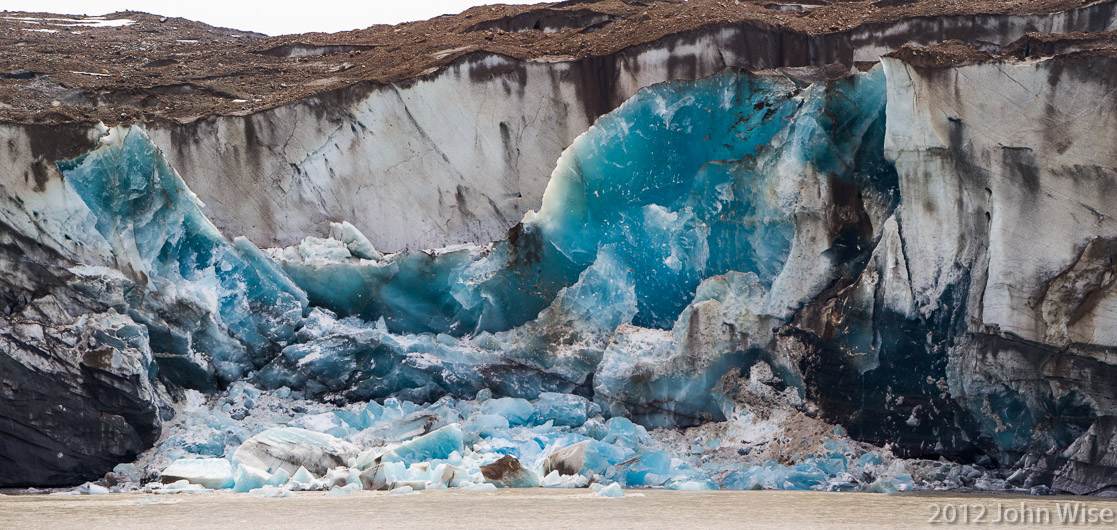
{"x": 551, "y": 509}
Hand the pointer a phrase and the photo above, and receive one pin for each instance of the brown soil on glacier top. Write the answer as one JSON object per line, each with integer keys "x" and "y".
{"x": 61, "y": 68}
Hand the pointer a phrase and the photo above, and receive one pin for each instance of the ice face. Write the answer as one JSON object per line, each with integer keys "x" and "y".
{"x": 642, "y": 294}
{"x": 642, "y": 230}
{"x": 662, "y": 215}
{"x": 230, "y": 301}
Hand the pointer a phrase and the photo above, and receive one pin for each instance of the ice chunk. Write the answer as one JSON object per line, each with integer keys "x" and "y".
{"x": 587, "y": 458}
{"x": 326, "y": 422}
{"x": 555, "y": 480}
{"x": 90, "y": 488}
{"x": 129, "y": 471}
{"x": 380, "y": 475}
{"x": 470, "y": 486}
{"x": 806, "y": 475}
{"x": 180, "y": 486}
{"x": 290, "y": 448}
{"x": 561, "y": 409}
{"x": 509, "y": 473}
{"x": 517, "y": 411}
{"x": 303, "y": 480}
{"x": 248, "y": 478}
{"x": 358, "y": 245}
{"x": 892, "y": 484}
{"x": 436, "y": 445}
{"x": 341, "y": 491}
{"x": 691, "y": 485}
{"x": 611, "y": 491}
{"x": 341, "y": 476}
{"x": 652, "y": 469}
{"x": 882, "y": 485}
{"x": 279, "y": 478}
{"x": 623, "y": 432}
{"x": 402, "y": 490}
{"x": 211, "y": 473}
{"x": 484, "y": 425}
{"x": 272, "y": 491}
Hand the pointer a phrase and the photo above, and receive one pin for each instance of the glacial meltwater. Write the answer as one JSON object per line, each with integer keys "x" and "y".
{"x": 557, "y": 510}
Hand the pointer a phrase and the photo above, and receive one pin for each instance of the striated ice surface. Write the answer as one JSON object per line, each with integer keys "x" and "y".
{"x": 292, "y": 449}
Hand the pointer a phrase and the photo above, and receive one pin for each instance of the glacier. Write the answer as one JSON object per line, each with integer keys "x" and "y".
{"x": 639, "y": 284}
{"x": 776, "y": 280}
{"x": 619, "y": 240}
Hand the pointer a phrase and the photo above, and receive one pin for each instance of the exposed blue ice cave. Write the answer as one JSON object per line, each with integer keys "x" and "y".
{"x": 675, "y": 236}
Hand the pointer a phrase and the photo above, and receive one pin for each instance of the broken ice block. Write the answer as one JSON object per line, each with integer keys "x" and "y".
{"x": 517, "y": 411}
{"x": 212, "y": 473}
{"x": 509, "y": 473}
{"x": 248, "y": 478}
{"x": 611, "y": 491}
{"x": 289, "y": 448}
{"x": 435, "y": 445}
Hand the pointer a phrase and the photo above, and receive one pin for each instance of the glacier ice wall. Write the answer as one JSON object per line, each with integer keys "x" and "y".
{"x": 462, "y": 153}
{"x": 739, "y": 249}
{"x": 673, "y": 209}
{"x": 638, "y": 214}
{"x": 1023, "y": 284}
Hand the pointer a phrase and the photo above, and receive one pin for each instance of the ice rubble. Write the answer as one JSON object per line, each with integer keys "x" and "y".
{"x": 405, "y": 447}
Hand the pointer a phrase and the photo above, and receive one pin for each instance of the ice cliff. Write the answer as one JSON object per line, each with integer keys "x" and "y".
{"x": 823, "y": 278}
